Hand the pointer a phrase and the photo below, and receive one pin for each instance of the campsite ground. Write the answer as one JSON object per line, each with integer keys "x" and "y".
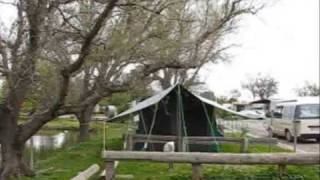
{"x": 66, "y": 162}
{"x": 257, "y": 128}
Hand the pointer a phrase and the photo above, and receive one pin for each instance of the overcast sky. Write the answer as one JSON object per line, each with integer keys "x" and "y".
{"x": 282, "y": 41}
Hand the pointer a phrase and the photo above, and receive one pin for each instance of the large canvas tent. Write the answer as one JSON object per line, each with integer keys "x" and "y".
{"x": 177, "y": 111}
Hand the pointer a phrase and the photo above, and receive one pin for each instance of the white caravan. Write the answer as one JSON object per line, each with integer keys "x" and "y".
{"x": 305, "y": 113}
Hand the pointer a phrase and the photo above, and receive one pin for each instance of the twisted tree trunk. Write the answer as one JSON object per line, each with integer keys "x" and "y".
{"x": 84, "y": 118}
{"x": 12, "y": 161}
{"x": 11, "y": 147}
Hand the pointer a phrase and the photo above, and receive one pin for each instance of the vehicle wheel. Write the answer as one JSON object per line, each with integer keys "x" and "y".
{"x": 289, "y": 136}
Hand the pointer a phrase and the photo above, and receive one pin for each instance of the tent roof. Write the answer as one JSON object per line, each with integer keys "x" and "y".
{"x": 146, "y": 103}
{"x": 262, "y": 101}
{"x": 159, "y": 96}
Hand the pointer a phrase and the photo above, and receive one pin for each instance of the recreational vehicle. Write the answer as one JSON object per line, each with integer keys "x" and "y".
{"x": 300, "y": 117}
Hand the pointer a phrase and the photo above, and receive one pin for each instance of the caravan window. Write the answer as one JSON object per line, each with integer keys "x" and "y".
{"x": 278, "y": 112}
{"x": 288, "y": 112}
{"x": 308, "y": 111}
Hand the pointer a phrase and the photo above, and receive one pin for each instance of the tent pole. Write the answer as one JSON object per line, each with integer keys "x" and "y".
{"x": 104, "y": 136}
{"x": 210, "y": 124}
{"x": 152, "y": 125}
{"x": 185, "y": 144}
{"x": 104, "y": 145}
{"x": 144, "y": 128}
{"x": 179, "y": 123}
{"x": 143, "y": 122}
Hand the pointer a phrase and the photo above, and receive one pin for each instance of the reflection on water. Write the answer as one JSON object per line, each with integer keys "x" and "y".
{"x": 43, "y": 144}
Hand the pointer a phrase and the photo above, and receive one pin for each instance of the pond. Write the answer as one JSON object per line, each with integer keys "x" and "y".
{"x": 45, "y": 142}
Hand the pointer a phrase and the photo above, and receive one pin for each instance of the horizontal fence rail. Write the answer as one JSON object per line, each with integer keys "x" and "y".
{"x": 215, "y": 158}
{"x": 191, "y": 139}
{"x": 204, "y": 140}
{"x": 197, "y": 158}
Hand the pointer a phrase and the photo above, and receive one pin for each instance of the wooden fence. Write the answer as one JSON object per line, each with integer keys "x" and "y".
{"x": 196, "y": 159}
{"x": 131, "y": 139}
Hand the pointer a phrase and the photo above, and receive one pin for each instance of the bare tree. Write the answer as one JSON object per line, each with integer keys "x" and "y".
{"x": 66, "y": 38}
{"x": 261, "y": 86}
{"x": 159, "y": 43}
{"x": 235, "y": 94}
{"x": 200, "y": 40}
{"x": 308, "y": 89}
{"x": 19, "y": 58}
{"x": 132, "y": 54}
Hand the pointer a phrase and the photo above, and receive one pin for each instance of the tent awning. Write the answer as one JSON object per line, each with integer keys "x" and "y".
{"x": 219, "y": 106}
{"x": 145, "y": 103}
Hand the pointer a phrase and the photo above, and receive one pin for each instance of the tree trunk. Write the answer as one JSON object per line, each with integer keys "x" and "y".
{"x": 11, "y": 145}
{"x": 84, "y": 131}
{"x": 84, "y": 118}
{"x": 12, "y": 161}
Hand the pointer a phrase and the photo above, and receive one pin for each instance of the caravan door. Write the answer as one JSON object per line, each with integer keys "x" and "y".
{"x": 276, "y": 121}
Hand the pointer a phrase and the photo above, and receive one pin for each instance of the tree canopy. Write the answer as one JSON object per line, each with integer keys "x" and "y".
{"x": 261, "y": 86}
{"x": 308, "y": 89}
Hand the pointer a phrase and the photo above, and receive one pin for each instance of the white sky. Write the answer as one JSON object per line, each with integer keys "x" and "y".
{"x": 282, "y": 41}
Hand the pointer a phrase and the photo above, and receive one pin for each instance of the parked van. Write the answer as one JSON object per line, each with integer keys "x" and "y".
{"x": 305, "y": 113}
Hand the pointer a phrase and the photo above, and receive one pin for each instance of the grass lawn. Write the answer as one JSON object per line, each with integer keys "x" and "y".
{"x": 60, "y": 124}
{"x": 65, "y": 163}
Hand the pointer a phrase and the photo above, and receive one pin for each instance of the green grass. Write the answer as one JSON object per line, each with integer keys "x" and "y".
{"x": 63, "y": 124}
{"x": 65, "y": 163}
{"x": 235, "y": 148}
{"x": 158, "y": 171}
{"x": 59, "y": 123}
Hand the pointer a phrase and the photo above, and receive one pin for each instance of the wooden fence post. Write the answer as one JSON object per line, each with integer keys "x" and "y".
{"x": 282, "y": 169}
{"x": 170, "y": 167}
{"x": 110, "y": 171}
{"x": 196, "y": 171}
{"x": 244, "y": 145}
{"x": 130, "y": 142}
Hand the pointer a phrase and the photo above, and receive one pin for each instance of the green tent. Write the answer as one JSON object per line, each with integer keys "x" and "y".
{"x": 179, "y": 112}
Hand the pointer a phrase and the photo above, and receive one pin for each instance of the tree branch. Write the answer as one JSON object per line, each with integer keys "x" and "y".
{"x": 150, "y": 69}
{"x": 39, "y": 119}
